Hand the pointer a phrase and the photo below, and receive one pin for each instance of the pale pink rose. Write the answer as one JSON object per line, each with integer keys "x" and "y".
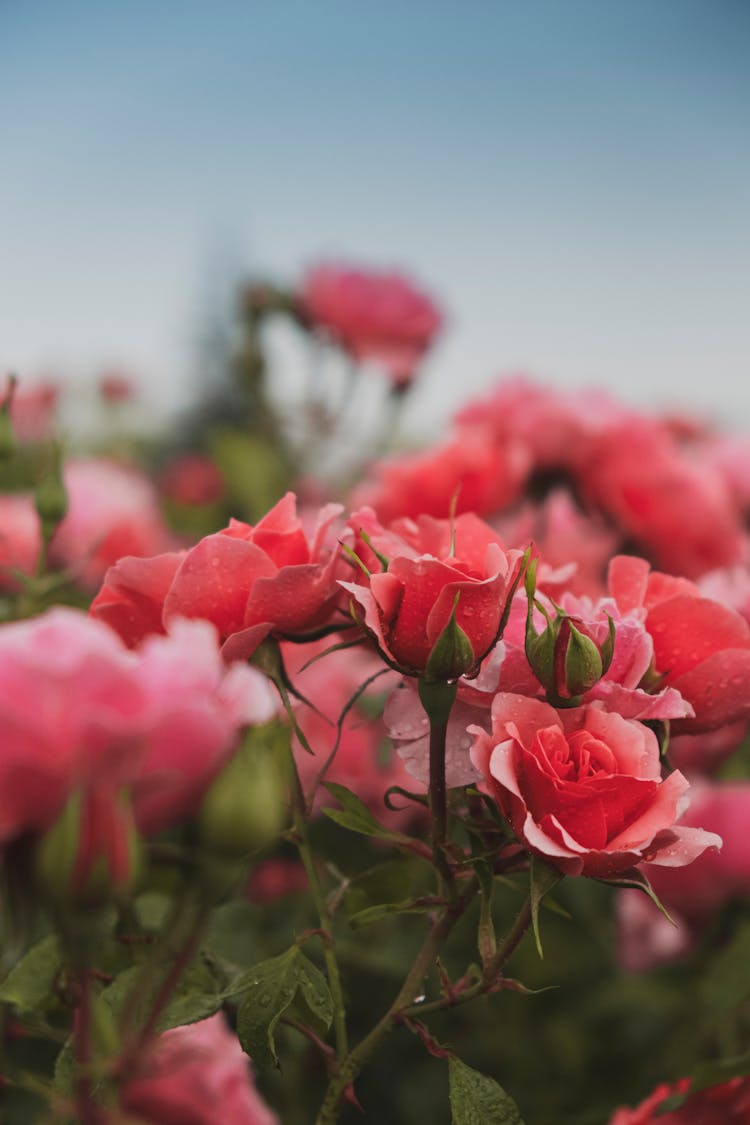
{"x": 373, "y": 316}
{"x": 195, "y": 1075}
{"x": 112, "y": 512}
{"x": 583, "y": 788}
{"x": 197, "y": 705}
{"x": 20, "y": 537}
{"x": 79, "y": 711}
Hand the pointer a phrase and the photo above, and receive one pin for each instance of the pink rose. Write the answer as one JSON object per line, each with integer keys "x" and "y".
{"x": 20, "y": 537}
{"x": 674, "y": 507}
{"x": 249, "y": 582}
{"x": 436, "y": 568}
{"x": 112, "y": 512}
{"x": 482, "y": 475}
{"x": 78, "y": 711}
{"x": 193, "y": 479}
{"x": 378, "y": 316}
{"x": 701, "y": 647}
{"x": 583, "y": 788}
{"x": 131, "y": 600}
{"x": 254, "y": 581}
{"x": 196, "y": 1075}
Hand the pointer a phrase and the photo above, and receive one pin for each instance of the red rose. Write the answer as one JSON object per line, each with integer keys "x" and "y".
{"x": 701, "y": 647}
{"x": 435, "y": 568}
{"x": 583, "y": 788}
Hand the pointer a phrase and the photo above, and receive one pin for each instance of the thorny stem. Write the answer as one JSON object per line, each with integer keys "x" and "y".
{"x": 351, "y": 1066}
{"x": 89, "y": 1112}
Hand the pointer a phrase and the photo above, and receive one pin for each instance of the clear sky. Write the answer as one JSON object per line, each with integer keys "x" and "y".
{"x": 569, "y": 177}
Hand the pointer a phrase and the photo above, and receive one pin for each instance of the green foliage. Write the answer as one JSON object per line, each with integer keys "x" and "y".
{"x": 29, "y": 984}
{"x": 286, "y": 985}
{"x": 478, "y": 1100}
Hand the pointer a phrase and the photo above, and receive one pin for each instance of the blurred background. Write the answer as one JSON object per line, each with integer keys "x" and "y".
{"x": 568, "y": 179}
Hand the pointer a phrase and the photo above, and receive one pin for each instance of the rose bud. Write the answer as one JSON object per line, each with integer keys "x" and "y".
{"x": 244, "y": 809}
{"x": 91, "y": 854}
{"x": 565, "y": 657}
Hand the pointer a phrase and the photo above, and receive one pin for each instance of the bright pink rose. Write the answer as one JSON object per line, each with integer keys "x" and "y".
{"x": 583, "y": 788}
{"x": 112, "y": 512}
{"x": 726, "y": 1104}
{"x": 20, "y": 537}
{"x": 131, "y": 600}
{"x": 378, "y": 316}
{"x": 195, "y": 1075}
{"x": 435, "y": 568}
{"x": 78, "y": 711}
{"x": 701, "y": 648}
{"x": 471, "y": 470}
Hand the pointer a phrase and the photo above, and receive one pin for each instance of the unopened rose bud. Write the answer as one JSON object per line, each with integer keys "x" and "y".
{"x": 51, "y": 497}
{"x": 565, "y": 658}
{"x": 245, "y": 809}
{"x": 452, "y": 654}
{"x": 91, "y": 854}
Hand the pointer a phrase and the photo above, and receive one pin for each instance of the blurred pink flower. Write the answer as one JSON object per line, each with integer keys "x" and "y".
{"x": 112, "y": 512}
{"x": 78, "y": 710}
{"x": 377, "y": 316}
{"x": 196, "y": 1075}
{"x": 20, "y": 537}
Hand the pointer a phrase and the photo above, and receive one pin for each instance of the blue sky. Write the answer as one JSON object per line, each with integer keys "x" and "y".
{"x": 569, "y": 177}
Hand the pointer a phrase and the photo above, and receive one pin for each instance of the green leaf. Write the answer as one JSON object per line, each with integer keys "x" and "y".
{"x": 271, "y": 988}
{"x": 386, "y": 909}
{"x": 543, "y": 877}
{"x": 199, "y": 993}
{"x": 638, "y": 881}
{"x": 354, "y": 814}
{"x": 313, "y": 1001}
{"x": 29, "y": 983}
{"x": 479, "y": 1100}
{"x": 392, "y": 881}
